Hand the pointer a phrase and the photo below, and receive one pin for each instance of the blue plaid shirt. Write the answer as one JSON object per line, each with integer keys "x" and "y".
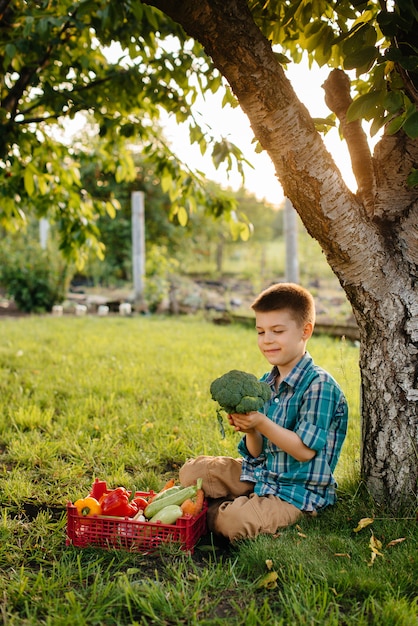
{"x": 309, "y": 402}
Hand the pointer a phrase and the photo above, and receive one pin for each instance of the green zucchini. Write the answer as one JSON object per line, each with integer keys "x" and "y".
{"x": 167, "y": 492}
{"x": 175, "y": 498}
{"x": 168, "y": 514}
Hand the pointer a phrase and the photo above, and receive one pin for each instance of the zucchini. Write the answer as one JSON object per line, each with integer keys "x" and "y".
{"x": 174, "y": 498}
{"x": 167, "y": 492}
{"x": 168, "y": 514}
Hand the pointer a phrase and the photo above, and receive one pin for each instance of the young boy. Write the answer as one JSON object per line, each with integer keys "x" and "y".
{"x": 290, "y": 447}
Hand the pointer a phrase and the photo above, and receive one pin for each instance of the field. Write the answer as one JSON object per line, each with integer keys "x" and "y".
{"x": 127, "y": 400}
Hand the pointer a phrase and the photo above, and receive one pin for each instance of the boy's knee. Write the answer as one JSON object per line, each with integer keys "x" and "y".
{"x": 220, "y": 475}
{"x": 247, "y": 517}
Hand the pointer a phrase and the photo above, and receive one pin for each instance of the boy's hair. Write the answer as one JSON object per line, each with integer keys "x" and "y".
{"x": 298, "y": 300}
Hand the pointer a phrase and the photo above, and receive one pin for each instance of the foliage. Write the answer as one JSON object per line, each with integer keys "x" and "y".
{"x": 158, "y": 267}
{"x": 375, "y": 41}
{"x": 105, "y": 397}
{"x": 36, "y": 279}
{"x": 180, "y": 242}
{"x": 55, "y": 59}
{"x": 54, "y": 64}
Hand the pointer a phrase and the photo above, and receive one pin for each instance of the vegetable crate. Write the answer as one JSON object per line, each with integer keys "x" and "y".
{"x": 128, "y": 534}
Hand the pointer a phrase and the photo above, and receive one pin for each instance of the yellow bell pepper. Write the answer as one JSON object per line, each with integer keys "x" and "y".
{"x": 88, "y": 506}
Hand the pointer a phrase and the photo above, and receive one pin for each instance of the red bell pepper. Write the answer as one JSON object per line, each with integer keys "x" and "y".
{"x": 116, "y": 502}
{"x": 141, "y": 502}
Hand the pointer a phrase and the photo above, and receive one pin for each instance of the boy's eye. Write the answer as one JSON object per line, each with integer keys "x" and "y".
{"x": 260, "y": 332}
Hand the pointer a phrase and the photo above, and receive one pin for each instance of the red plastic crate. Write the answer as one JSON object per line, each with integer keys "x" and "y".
{"x": 114, "y": 532}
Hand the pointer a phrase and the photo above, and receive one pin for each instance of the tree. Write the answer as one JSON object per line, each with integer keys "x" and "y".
{"x": 175, "y": 50}
{"x": 54, "y": 67}
{"x": 370, "y": 238}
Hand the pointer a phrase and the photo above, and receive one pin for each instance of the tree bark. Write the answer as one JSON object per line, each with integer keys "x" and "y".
{"x": 374, "y": 256}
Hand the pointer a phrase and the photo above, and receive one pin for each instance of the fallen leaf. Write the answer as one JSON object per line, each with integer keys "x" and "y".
{"x": 269, "y": 581}
{"x": 394, "y": 542}
{"x": 365, "y": 521}
{"x": 302, "y": 535}
{"x": 375, "y": 545}
{"x": 343, "y": 554}
{"x": 269, "y": 563}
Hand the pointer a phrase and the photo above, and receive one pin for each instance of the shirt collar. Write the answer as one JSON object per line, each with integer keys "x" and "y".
{"x": 294, "y": 375}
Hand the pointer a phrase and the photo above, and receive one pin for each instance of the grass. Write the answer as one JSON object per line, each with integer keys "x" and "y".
{"x": 126, "y": 400}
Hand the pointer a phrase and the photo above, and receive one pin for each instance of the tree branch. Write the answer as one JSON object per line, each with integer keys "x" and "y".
{"x": 11, "y": 101}
{"x": 338, "y": 99}
{"x": 3, "y": 8}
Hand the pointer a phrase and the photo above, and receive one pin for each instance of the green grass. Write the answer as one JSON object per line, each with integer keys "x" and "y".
{"x": 127, "y": 400}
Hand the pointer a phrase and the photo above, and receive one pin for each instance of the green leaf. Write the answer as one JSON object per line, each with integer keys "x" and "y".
{"x": 395, "y": 124}
{"x": 230, "y": 99}
{"x": 166, "y": 180}
{"x": 411, "y": 125}
{"x": 393, "y": 102}
{"x": 43, "y": 185}
{"x": 120, "y": 173}
{"x": 182, "y": 216}
{"x": 282, "y": 58}
{"x": 110, "y": 210}
{"x": 29, "y": 182}
{"x": 361, "y": 58}
{"x": 412, "y": 179}
{"x": 364, "y": 106}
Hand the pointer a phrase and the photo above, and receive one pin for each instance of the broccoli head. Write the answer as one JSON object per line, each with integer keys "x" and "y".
{"x": 239, "y": 392}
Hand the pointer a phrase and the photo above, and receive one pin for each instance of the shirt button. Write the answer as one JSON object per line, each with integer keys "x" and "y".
{"x": 276, "y": 400}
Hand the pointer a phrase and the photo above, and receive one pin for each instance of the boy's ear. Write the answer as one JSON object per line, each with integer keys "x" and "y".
{"x": 308, "y": 330}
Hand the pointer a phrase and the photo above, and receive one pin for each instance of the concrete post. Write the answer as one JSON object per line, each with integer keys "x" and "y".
{"x": 138, "y": 245}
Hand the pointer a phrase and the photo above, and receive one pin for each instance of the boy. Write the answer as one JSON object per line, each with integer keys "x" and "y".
{"x": 290, "y": 447}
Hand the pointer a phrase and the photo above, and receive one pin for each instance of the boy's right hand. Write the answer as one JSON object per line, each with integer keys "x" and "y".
{"x": 244, "y": 422}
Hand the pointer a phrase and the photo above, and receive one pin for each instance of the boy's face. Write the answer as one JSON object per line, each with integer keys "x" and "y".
{"x": 281, "y": 339}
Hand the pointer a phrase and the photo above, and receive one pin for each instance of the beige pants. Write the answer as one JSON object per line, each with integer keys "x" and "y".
{"x": 245, "y": 515}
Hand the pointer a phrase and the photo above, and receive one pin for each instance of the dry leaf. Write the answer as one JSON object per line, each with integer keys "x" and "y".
{"x": 365, "y": 521}
{"x": 343, "y": 554}
{"x": 269, "y": 564}
{"x": 375, "y": 545}
{"x": 394, "y": 542}
{"x": 269, "y": 581}
{"x": 302, "y": 535}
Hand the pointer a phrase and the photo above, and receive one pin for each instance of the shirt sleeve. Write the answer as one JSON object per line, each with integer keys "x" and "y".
{"x": 316, "y": 414}
{"x": 249, "y": 463}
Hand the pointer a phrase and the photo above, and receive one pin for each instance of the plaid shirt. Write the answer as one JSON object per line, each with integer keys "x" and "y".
{"x": 309, "y": 402}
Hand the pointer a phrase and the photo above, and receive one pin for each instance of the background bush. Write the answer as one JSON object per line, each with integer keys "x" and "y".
{"x": 35, "y": 278}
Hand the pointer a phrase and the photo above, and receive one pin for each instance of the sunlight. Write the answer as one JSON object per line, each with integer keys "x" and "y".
{"x": 234, "y": 124}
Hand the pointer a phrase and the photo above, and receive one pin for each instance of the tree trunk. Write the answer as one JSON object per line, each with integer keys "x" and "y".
{"x": 372, "y": 250}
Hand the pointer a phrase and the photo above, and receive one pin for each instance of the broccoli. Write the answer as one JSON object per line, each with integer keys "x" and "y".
{"x": 239, "y": 392}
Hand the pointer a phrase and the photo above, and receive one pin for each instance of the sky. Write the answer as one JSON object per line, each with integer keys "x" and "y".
{"x": 234, "y": 124}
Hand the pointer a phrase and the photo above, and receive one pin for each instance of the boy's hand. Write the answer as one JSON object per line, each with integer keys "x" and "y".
{"x": 245, "y": 422}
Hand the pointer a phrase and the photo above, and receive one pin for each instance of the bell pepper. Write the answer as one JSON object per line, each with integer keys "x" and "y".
{"x": 116, "y": 502}
{"x": 98, "y": 489}
{"x": 88, "y": 506}
{"x": 141, "y": 502}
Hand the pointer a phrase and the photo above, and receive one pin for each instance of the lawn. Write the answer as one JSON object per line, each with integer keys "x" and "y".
{"x": 127, "y": 400}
